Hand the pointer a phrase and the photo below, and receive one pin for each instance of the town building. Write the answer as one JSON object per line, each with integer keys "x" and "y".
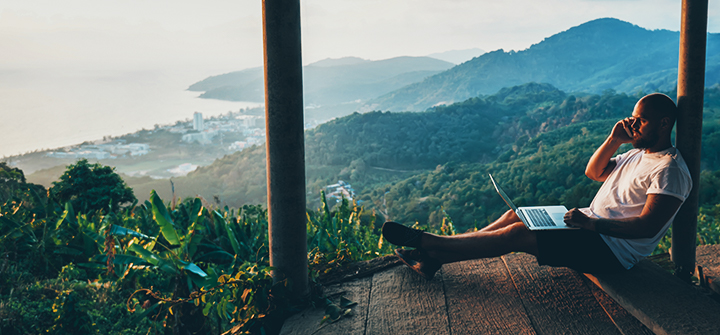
{"x": 198, "y": 122}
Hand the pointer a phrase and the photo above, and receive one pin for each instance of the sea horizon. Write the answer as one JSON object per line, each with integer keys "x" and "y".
{"x": 45, "y": 110}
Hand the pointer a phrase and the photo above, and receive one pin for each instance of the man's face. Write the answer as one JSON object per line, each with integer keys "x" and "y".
{"x": 645, "y": 128}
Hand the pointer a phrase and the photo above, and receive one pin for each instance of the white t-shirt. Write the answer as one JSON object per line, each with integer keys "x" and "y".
{"x": 624, "y": 193}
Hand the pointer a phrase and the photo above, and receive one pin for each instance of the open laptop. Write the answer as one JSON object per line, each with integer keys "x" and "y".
{"x": 536, "y": 217}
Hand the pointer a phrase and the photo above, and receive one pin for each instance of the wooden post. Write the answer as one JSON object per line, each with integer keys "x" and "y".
{"x": 691, "y": 86}
{"x": 285, "y": 143}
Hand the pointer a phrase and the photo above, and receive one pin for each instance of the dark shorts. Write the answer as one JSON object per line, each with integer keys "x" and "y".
{"x": 578, "y": 249}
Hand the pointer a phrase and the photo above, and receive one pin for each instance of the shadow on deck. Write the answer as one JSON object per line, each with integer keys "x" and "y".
{"x": 506, "y": 295}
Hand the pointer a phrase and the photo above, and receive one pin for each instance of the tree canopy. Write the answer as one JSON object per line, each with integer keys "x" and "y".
{"x": 90, "y": 187}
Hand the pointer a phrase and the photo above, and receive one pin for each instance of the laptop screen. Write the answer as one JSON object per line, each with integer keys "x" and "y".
{"x": 503, "y": 195}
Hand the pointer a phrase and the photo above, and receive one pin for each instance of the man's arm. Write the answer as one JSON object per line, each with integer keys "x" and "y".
{"x": 601, "y": 162}
{"x": 658, "y": 209}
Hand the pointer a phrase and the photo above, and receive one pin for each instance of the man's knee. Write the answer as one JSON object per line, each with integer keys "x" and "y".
{"x": 523, "y": 239}
{"x": 510, "y": 215}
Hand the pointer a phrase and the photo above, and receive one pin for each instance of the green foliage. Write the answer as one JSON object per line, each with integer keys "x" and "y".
{"x": 341, "y": 237}
{"x": 160, "y": 268}
{"x": 91, "y": 187}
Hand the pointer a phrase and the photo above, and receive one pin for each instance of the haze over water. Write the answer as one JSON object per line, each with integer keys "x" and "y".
{"x": 50, "y": 96}
{"x": 49, "y": 109}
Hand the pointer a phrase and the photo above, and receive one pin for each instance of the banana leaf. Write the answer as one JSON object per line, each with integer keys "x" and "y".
{"x": 162, "y": 217}
{"x": 153, "y": 259}
{"x": 192, "y": 240}
{"x": 196, "y": 275}
{"x": 122, "y": 231}
{"x": 196, "y": 212}
{"x": 228, "y": 229}
{"x": 67, "y": 213}
{"x": 128, "y": 259}
{"x": 18, "y": 231}
{"x": 40, "y": 210}
{"x": 192, "y": 268}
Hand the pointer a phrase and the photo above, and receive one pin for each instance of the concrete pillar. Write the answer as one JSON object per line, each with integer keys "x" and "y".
{"x": 285, "y": 143}
{"x": 691, "y": 86}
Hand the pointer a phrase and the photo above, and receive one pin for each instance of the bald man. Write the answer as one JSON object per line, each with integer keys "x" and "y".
{"x": 641, "y": 193}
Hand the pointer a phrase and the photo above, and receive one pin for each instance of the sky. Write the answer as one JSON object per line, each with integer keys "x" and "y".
{"x": 78, "y": 70}
{"x": 226, "y": 35}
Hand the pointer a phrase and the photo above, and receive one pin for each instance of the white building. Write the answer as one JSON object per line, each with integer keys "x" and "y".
{"x": 198, "y": 121}
{"x": 202, "y": 138}
{"x": 339, "y": 191}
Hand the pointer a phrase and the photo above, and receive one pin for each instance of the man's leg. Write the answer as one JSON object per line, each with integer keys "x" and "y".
{"x": 494, "y": 242}
{"x": 505, "y": 220}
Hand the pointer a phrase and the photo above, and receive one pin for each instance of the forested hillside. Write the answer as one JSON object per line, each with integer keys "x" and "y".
{"x": 592, "y": 57}
{"x": 543, "y": 170}
{"x": 440, "y": 149}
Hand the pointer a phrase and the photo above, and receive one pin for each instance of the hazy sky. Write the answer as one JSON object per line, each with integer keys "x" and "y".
{"x": 76, "y": 70}
{"x": 216, "y": 36}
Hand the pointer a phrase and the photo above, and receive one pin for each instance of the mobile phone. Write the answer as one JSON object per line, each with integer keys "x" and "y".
{"x": 629, "y": 129}
{"x": 629, "y": 132}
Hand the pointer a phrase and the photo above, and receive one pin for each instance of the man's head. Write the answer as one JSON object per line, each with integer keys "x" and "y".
{"x": 653, "y": 119}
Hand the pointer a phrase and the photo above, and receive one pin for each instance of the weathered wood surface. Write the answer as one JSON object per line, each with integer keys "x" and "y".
{"x": 308, "y": 321}
{"x": 708, "y": 257}
{"x": 513, "y": 295}
{"x": 625, "y": 322}
{"x": 482, "y": 299}
{"x": 661, "y": 301}
{"x": 358, "y": 270}
{"x": 557, "y": 300}
{"x": 402, "y": 302}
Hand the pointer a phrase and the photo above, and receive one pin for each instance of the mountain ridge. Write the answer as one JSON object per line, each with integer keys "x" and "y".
{"x": 328, "y": 81}
{"x": 591, "y": 57}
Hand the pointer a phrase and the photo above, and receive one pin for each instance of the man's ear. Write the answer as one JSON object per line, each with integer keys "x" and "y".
{"x": 665, "y": 123}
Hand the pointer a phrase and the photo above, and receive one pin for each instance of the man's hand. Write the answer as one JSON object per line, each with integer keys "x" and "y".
{"x": 601, "y": 163}
{"x": 658, "y": 209}
{"x": 576, "y": 218}
{"x": 622, "y": 132}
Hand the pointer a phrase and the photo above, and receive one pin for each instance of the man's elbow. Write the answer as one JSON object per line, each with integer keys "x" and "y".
{"x": 650, "y": 230}
{"x": 593, "y": 175}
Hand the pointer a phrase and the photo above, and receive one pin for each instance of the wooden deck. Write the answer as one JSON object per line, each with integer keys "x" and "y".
{"x": 507, "y": 295}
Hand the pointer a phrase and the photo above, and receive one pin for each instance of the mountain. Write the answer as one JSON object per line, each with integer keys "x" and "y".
{"x": 458, "y": 56}
{"x": 329, "y": 81}
{"x": 593, "y": 57}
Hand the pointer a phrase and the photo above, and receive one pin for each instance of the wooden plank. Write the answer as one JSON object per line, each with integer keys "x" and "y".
{"x": 625, "y": 322}
{"x": 708, "y": 257}
{"x": 556, "y": 299}
{"x": 661, "y": 301}
{"x": 482, "y": 299}
{"x": 308, "y": 321}
{"x": 403, "y": 302}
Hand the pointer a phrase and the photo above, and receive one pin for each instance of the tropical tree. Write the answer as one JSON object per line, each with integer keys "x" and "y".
{"x": 89, "y": 187}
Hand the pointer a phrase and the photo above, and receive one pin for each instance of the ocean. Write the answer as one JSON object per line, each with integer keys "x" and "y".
{"x": 47, "y": 109}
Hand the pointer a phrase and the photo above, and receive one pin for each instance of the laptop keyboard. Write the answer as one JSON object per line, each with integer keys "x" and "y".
{"x": 540, "y": 217}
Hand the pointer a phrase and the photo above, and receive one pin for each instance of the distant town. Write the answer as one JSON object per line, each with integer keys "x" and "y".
{"x": 198, "y": 131}
{"x": 339, "y": 191}
{"x": 165, "y": 151}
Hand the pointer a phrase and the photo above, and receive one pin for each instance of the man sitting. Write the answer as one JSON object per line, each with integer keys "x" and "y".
{"x": 642, "y": 191}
